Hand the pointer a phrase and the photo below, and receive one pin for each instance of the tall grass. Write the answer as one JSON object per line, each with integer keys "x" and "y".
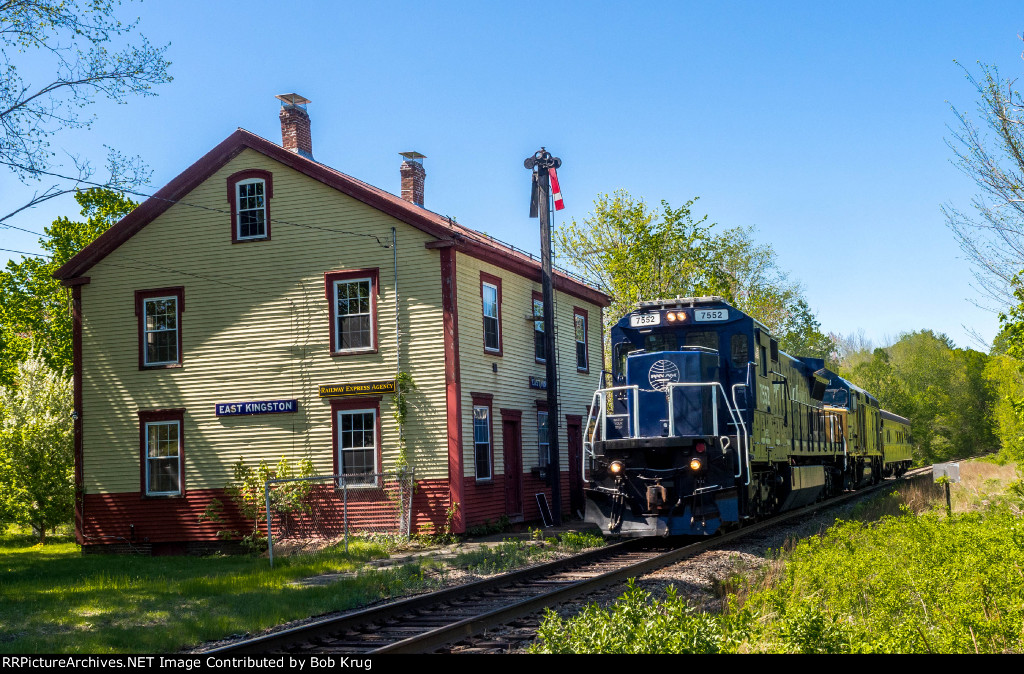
{"x": 511, "y": 554}
{"x": 914, "y": 581}
{"x": 54, "y": 600}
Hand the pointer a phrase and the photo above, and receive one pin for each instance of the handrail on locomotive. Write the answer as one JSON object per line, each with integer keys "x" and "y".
{"x": 597, "y": 418}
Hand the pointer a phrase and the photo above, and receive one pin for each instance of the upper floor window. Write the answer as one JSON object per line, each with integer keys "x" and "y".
{"x": 538, "y": 329}
{"x": 579, "y": 319}
{"x": 353, "y": 308}
{"x": 252, "y": 210}
{"x": 249, "y": 193}
{"x": 159, "y": 313}
{"x": 490, "y": 293}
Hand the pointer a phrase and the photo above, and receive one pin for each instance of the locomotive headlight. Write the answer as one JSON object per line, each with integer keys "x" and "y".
{"x": 696, "y": 464}
{"x": 616, "y": 468}
{"x": 671, "y": 317}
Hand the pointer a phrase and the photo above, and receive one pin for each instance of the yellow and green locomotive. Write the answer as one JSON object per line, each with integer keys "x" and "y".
{"x": 706, "y": 423}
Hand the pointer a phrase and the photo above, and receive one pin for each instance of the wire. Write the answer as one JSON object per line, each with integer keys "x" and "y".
{"x": 21, "y": 252}
{"x": 382, "y": 243}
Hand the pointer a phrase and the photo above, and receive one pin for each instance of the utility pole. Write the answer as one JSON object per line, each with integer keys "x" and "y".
{"x": 540, "y": 162}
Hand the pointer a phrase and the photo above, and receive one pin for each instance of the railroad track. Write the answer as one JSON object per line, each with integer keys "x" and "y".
{"x": 429, "y": 622}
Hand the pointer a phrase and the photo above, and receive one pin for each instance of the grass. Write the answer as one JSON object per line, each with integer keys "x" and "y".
{"x": 512, "y": 554}
{"x": 54, "y": 600}
{"x": 914, "y": 581}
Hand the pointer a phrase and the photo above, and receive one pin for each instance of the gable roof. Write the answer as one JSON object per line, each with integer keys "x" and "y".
{"x": 448, "y": 232}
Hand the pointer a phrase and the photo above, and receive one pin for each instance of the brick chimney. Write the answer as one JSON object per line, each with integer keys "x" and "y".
{"x": 295, "y": 136}
{"x": 413, "y": 177}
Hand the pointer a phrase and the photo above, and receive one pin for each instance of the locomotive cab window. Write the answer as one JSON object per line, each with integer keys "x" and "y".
{"x": 622, "y": 349}
{"x": 661, "y": 341}
{"x": 739, "y": 350}
{"x": 705, "y": 338}
{"x": 775, "y": 350}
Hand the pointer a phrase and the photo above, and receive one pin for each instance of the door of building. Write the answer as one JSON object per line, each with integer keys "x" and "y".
{"x": 575, "y": 449}
{"x": 512, "y": 442}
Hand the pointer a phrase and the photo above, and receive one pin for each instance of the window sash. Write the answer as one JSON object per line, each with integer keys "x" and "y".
{"x": 581, "y": 342}
{"x": 357, "y": 445}
{"x": 543, "y": 443}
{"x": 251, "y": 203}
{"x": 538, "y": 332}
{"x": 353, "y": 306}
{"x": 160, "y": 331}
{"x": 491, "y": 322}
{"x": 163, "y": 458}
{"x": 482, "y": 441}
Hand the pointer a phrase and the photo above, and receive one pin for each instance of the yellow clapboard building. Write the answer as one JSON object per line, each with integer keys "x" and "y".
{"x": 261, "y": 305}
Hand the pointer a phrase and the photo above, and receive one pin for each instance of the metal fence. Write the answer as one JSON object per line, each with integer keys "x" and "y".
{"x": 313, "y": 512}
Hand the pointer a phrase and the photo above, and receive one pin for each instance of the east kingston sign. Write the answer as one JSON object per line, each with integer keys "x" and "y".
{"x": 257, "y": 407}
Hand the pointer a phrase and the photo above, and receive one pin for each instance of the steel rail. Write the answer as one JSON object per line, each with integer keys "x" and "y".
{"x": 469, "y": 627}
{"x": 394, "y": 609}
{"x": 462, "y": 629}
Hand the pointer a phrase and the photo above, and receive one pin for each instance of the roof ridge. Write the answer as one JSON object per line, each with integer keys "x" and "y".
{"x": 435, "y": 224}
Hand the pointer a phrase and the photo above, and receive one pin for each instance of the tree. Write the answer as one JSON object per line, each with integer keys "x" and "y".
{"x": 801, "y": 334}
{"x": 989, "y": 149}
{"x": 943, "y": 390}
{"x": 635, "y": 253}
{"x": 753, "y": 279}
{"x": 34, "y": 307}
{"x": 74, "y": 35}
{"x": 36, "y": 448}
{"x": 1007, "y": 381}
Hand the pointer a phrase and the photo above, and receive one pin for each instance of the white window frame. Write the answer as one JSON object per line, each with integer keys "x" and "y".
{"x": 538, "y": 326}
{"x": 497, "y": 320}
{"x": 239, "y": 210}
{"x": 586, "y": 356}
{"x": 543, "y": 448}
{"x": 374, "y": 448}
{"x": 477, "y": 443}
{"x": 146, "y": 331}
{"x": 148, "y": 458}
{"x": 337, "y": 315}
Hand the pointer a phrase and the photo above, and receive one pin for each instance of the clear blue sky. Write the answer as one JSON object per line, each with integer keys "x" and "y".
{"x": 822, "y": 124}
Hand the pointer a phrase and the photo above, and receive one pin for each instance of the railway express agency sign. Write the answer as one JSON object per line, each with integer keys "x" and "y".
{"x": 257, "y": 407}
{"x": 358, "y": 388}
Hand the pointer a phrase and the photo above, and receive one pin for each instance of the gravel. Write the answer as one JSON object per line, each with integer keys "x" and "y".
{"x": 693, "y": 579}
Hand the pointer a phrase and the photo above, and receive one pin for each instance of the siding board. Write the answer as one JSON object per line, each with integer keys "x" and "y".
{"x": 510, "y": 384}
{"x": 255, "y": 326}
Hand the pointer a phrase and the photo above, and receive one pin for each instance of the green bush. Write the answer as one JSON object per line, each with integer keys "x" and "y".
{"x": 577, "y": 541}
{"x": 634, "y": 624}
{"x": 907, "y": 584}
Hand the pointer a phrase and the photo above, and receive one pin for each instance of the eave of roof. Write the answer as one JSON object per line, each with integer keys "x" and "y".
{"x": 464, "y": 239}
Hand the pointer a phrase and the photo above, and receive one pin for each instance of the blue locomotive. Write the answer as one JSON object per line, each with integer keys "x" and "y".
{"x": 706, "y": 424}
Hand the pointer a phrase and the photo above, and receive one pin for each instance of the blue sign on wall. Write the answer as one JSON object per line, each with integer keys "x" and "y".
{"x": 257, "y": 407}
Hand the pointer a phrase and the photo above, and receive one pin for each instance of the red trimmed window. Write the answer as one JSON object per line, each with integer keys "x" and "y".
{"x": 352, "y": 297}
{"x": 483, "y": 436}
{"x": 159, "y": 311}
{"x": 161, "y": 436}
{"x": 249, "y": 193}
{"x": 538, "y": 328}
{"x": 490, "y": 294}
{"x": 581, "y": 331}
{"x": 357, "y": 450}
